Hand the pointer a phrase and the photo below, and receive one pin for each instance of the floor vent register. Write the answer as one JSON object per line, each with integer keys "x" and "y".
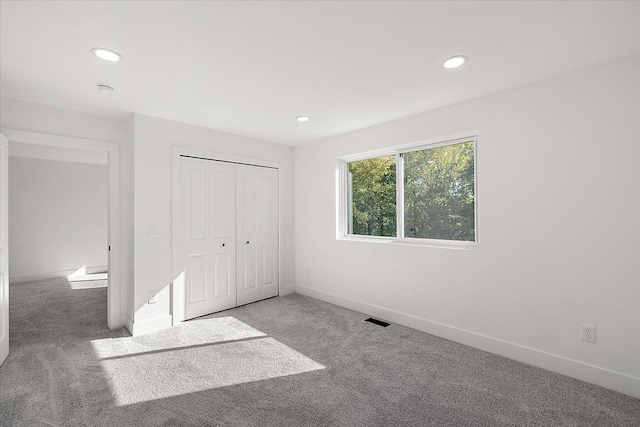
{"x": 377, "y": 322}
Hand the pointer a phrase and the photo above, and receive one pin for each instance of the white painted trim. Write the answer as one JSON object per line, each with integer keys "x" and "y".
{"x": 177, "y": 277}
{"x": 150, "y": 325}
{"x": 5, "y": 339}
{"x": 53, "y": 274}
{"x": 98, "y": 270}
{"x": 127, "y": 322}
{"x": 399, "y": 195}
{"x": 43, "y": 152}
{"x": 583, "y": 371}
{"x": 113, "y": 167}
{"x": 430, "y": 243}
{"x": 177, "y": 304}
{"x": 342, "y": 208}
{"x": 288, "y": 290}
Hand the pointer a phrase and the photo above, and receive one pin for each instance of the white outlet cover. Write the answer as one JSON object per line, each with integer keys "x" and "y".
{"x": 588, "y": 333}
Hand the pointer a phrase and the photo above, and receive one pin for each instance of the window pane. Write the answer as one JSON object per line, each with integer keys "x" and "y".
{"x": 372, "y": 197}
{"x": 439, "y": 193}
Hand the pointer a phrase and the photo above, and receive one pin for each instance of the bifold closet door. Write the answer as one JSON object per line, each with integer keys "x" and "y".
{"x": 208, "y": 219}
{"x": 257, "y": 231}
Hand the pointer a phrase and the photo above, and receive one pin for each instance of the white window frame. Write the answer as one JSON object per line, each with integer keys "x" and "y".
{"x": 342, "y": 194}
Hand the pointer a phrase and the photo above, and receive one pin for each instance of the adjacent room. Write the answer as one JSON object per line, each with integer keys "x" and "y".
{"x": 58, "y": 215}
{"x": 319, "y": 213}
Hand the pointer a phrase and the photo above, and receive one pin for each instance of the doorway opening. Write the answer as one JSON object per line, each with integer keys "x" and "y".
{"x": 67, "y": 191}
{"x": 58, "y": 218}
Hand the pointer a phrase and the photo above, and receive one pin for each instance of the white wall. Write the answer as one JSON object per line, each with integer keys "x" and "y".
{"x": 57, "y": 217}
{"x": 27, "y": 116}
{"x": 558, "y": 202}
{"x": 154, "y": 139}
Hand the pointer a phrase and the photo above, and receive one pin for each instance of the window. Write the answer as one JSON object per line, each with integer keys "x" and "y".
{"x": 422, "y": 193}
{"x": 372, "y": 197}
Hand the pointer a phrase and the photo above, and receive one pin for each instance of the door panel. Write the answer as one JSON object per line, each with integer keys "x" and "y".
{"x": 269, "y": 232}
{"x": 248, "y": 267}
{"x": 198, "y": 280}
{"x": 248, "y": 211}
{"x": 4, "y": 250}
{"x": 195, "y": 235}
{"x": 222, "y": 222}
{"x": 208, "y": 235}
{"x": 222, "y": 269}
{"x": 267, "y": 190}
{"x": 257, "y": 233}
{"x": 197, "y": 180}
{"x": 267, "y": 262}
{"x": 247, "y": 180}
{"x": 222, "y": 218}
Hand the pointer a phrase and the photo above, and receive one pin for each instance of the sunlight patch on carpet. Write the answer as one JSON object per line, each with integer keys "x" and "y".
{"x": 192, "y": 357}
{"x": 88, "y": 284}
{"x": 186, "y": 334}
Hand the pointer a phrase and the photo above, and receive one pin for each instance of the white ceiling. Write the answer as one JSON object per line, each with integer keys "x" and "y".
{"x": 251, "y": 67}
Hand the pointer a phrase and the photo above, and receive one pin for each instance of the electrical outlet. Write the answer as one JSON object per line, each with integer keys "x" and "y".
{"x": 153, "y": 297}
{"x": 588, "y": 333}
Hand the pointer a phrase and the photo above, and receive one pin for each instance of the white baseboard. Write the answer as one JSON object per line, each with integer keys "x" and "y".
{"x": 97, "y": 270}
{"x": 287, "y": 290}
{"x": 126, "y": 321}
{"x": 583, "y": 371}
{"x": 53, "y": 275}
{"x": 150, "y": 325}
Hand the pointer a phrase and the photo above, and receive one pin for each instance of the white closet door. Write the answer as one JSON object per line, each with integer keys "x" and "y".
{"x": 4, "y": 250}
{"x": 257, "y": 230}
{"x": 208, "y": 235}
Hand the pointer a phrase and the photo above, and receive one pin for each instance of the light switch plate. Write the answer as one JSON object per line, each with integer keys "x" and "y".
{"x": 153, "y": 230}
{"x": 153, "y": 297}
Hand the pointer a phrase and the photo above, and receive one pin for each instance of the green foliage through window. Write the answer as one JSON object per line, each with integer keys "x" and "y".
{"x": 439, "y": 193}
{"x": 438, "y": 190}
{"x": 373, "y": 197}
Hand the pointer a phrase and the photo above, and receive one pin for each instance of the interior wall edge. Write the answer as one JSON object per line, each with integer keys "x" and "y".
{"x": 572, "y": 368}
{"x": 127, "y": 322}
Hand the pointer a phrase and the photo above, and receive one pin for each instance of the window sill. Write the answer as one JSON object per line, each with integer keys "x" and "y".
{"x": 443, "y": 244}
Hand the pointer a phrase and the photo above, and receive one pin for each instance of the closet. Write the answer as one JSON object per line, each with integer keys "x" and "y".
{"x": 229, "y": 234}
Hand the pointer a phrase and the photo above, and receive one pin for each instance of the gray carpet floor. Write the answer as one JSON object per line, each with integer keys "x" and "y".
{"x": 291, "y": 361}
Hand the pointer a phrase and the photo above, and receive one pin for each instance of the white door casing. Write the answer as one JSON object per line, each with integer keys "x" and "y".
{"x": 257, "y": 231}
{"x": 208, "y": 235}
{"x": 4, "y": 249}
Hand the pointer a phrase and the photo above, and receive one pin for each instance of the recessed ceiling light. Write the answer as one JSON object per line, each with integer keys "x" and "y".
{"x": 455, "y": 61}
{"x": 106, "y": 54}
{"x": 105, "y": 89}
{"x": 302, "y": 118}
